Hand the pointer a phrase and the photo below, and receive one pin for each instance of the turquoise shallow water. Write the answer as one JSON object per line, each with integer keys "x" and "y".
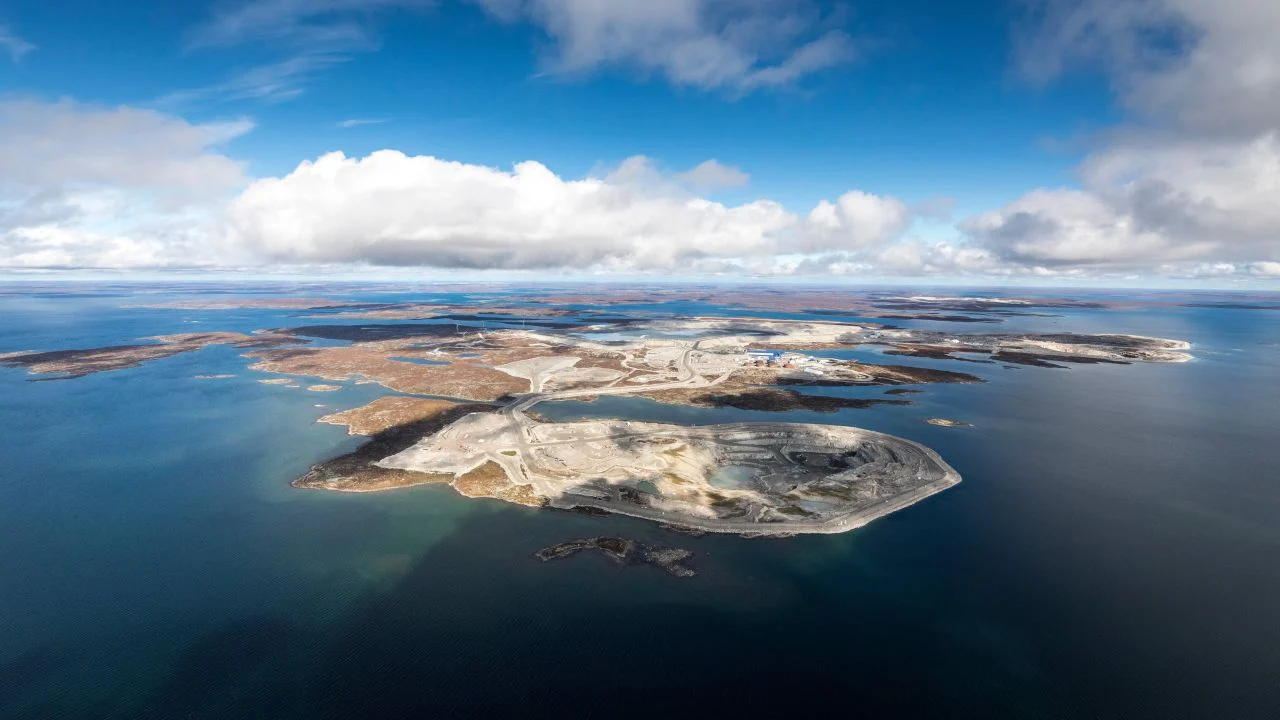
{"x": 1113, "y": 551}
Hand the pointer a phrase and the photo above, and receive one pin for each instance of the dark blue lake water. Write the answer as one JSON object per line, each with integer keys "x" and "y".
{"x": 1113, "y": 551}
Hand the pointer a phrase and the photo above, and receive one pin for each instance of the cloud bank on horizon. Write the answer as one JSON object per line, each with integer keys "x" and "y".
{"x": 1186, "y": 186}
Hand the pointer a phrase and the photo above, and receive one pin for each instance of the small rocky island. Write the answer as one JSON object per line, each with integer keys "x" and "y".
{"x": 623, "y": 552}
{"x": 947, "y": 422}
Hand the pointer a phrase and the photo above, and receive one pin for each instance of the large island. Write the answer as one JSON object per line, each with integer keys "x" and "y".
{"x": 751, "y": 478}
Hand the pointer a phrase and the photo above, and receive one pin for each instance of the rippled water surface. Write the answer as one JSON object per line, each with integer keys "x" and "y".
{"x": 1113, "y": 551}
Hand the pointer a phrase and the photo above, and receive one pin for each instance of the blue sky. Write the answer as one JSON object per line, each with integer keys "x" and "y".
{"x": 932, "y": 98}
{"x": 992, "y": 139}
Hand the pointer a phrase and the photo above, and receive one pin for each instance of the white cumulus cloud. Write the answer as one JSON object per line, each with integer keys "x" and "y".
{"x": 1189, "y": 186}
{"x": 84, "y": 186}
{"x": 713, "y": 175}
{"x": 91, "y": 186}
{"x": 393, "y": 209}
{"x": 1204, "y": 65}
{"x": 855, "y": 220}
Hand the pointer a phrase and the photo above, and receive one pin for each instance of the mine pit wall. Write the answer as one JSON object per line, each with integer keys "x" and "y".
{"x": 843, "y": 523}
